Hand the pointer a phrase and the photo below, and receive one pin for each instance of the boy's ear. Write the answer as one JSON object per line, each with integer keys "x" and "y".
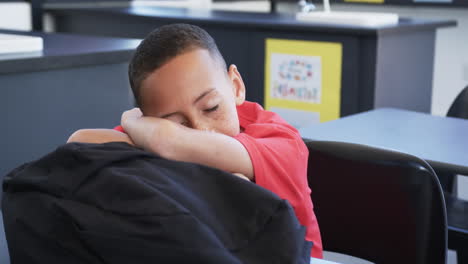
{"x": 237, "y": 84}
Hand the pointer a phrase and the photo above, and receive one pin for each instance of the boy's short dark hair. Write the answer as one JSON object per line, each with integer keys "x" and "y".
{"x": 163, "y": 44}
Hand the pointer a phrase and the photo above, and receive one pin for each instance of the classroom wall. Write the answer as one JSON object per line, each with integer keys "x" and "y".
{"x": 15, "y": 15}
{"x": 451, "y": 54}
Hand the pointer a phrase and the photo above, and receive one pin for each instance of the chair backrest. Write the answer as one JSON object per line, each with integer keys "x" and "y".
{"x": 459, "y": 107}
{"x": 376, "y": 204}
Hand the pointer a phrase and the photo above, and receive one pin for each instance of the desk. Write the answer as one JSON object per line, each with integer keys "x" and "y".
{"x": 4, "y": 255}
{"x": 75, "y": 82}
{"x": 441, "y": 141}
{"x": 321, "y": 261}
{"x": 387, "y": 66}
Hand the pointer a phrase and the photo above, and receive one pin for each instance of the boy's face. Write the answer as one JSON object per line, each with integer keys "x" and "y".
{"x": 193, "y": 90}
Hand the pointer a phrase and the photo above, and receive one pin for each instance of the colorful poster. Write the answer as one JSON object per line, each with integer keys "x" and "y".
{"x": 296, "y": 77}
{"x": 303, "y": 80}
{"x": 366, "y": 1}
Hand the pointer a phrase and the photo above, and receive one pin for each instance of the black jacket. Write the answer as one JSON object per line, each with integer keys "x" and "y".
{"x": 113, "y": 203}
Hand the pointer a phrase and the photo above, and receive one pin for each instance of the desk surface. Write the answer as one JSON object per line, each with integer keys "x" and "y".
{"x": 4, "y": 256}
{"x": 441, "y": 141}
{"x": 321, "y": 261}
{"x": 66, "y": 50}
{"x": 252, "y": 20}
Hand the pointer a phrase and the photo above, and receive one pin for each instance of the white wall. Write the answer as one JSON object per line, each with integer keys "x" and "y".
{"x": 16, "y": 16}
{"x": 451, "y": 55}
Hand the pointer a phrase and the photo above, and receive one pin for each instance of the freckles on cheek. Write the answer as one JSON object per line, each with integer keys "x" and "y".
{"x": 219, "y": 122}
{"x": 228, "y": 124}
{"x": 223, "y": 117}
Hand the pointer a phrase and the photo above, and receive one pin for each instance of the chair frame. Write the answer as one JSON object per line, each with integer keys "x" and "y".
{"x": 435, "y": 220}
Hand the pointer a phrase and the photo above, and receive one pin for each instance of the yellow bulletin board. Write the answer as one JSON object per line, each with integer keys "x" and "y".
{"x": 303, "y": 77}
{"x": 365, "y": 1}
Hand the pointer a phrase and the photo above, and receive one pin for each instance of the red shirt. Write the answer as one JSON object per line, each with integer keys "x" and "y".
{"x": 279, "y": 158}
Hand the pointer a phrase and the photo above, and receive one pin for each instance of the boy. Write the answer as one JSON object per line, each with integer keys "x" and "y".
{"x": 193, "y": 110}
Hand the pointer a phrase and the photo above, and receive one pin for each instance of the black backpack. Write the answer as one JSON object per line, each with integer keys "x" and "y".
{"x": 114, "y": 203}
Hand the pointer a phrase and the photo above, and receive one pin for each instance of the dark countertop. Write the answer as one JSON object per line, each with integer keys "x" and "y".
{"x": 66, "y": 51}
{"x": 263, "y": 21}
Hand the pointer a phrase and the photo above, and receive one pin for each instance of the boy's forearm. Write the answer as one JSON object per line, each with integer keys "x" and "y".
{"x": 212, "y": 149}
{"x": 177, "y": 142}
{"x": 99, "y": 136}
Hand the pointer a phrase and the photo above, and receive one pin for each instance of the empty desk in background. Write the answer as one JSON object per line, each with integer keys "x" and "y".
{"x": 4, "y": 255}
{"x": 371, "y": 67}
{"x": 75, "y": 82}
{"x": 441, "y": 141}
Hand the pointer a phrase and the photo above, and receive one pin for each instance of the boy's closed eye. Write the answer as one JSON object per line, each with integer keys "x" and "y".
{"x": 212, "y": 109}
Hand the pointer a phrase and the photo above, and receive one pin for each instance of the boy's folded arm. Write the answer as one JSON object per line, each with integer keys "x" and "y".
{"x": 99, "y": 136}
{"x": 174, "y": 141}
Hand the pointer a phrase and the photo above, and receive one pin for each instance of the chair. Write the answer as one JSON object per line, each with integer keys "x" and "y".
{"x": 459, "y": 107}
{"x": 379, "y": 205}
{"x": 457, "y": 210}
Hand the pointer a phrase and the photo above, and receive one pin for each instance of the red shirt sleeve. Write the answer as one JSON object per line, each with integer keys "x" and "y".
{"x": 279, "y": 157}
{"x": 120, "y": 129}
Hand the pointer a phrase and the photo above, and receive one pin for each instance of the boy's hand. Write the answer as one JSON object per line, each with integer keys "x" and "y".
{"x": 141, "y": 129}
{"x": 128, "y": 115}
